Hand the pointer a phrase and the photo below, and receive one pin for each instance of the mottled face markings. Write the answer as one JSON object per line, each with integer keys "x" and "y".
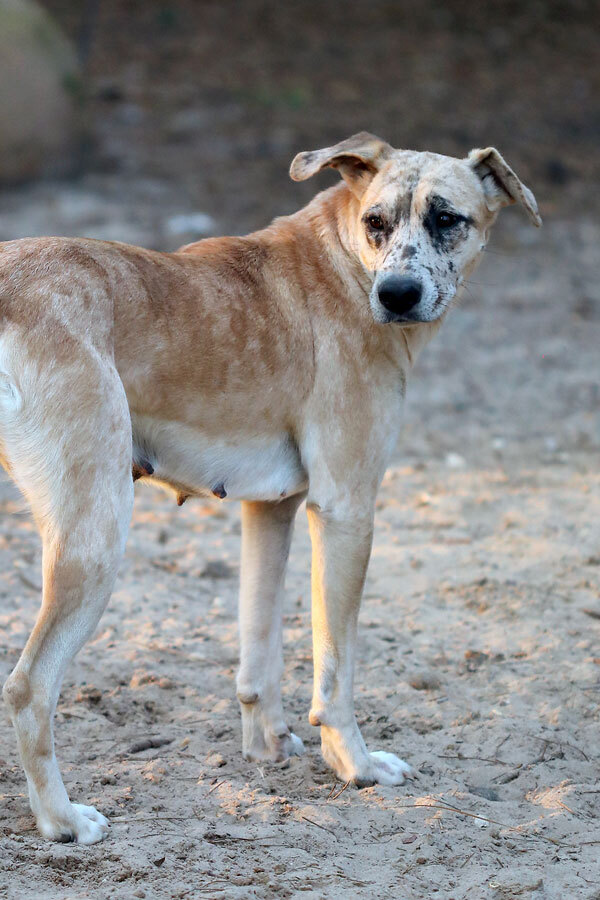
{"x": 446, "y": 227}
{"x": 380, "y": 222}
{"x": 377, "y": 227}
{"x": 403, "y": 207}
{"x": 419, "y": 221}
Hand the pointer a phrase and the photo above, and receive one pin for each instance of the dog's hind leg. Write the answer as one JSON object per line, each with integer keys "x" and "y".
{"x": 65, "y": 434}
{"x": 266, "y": 535}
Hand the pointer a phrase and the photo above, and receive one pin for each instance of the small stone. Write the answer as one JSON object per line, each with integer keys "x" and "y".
{"x": 474, "y": 659}
{"x": 487, "y": 793}
{"x": 507, "y": 777}
{"x": 216, "y": 568}
{"x": 88, "y": 694}
{"x": 455, "y": 461}
{"x": 425, "y": 682}
{"x": 215, "y": 760}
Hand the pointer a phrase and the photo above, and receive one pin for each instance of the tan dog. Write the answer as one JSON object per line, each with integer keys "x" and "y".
{"x": 264, "y": 369}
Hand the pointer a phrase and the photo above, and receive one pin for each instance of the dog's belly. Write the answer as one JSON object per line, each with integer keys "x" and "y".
{"x": 237, "y": 467}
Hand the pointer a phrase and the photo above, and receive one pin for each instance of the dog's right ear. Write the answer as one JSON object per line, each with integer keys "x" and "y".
{"x": 358, "y": 159}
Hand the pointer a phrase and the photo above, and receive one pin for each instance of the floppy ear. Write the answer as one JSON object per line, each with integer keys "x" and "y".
{"x": 358, "y": 160}
{"x": 500, "y": 184}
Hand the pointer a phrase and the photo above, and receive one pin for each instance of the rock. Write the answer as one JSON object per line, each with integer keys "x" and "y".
{"x": 215, "y": 760}
{"x": 425, "y": 682}
{"x": 474, "y": 659}
{"x": 88, "y": 694}
{"x": 150, "y": 743}
{"x": 487, "y": 793}
{"x": 455, "y": 461}
{"x": 216, "y": 568}
{"x": 40, "y": 94}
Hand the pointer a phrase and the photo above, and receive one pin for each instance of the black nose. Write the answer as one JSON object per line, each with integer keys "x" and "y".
{"x": 399, "y": 293}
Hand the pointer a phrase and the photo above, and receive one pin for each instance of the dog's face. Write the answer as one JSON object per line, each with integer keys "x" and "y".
{"x": 422, "y": 219}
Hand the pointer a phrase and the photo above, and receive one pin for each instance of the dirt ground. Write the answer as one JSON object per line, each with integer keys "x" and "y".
{"x": 479, "y": 656}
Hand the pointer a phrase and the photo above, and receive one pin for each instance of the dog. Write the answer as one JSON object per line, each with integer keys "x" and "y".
{"x": 268, "y": 369}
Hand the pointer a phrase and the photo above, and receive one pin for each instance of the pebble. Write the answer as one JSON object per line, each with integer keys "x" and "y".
{"x": 215, "y": 760}
{"x": 455, "y": 461}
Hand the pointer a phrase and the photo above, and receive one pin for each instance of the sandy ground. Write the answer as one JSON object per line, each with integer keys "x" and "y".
{"x": 478, "y": 654}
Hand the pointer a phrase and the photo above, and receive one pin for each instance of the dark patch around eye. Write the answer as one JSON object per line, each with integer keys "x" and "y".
{"x": 376, "y": 236}
{"x": 445, "y": 239}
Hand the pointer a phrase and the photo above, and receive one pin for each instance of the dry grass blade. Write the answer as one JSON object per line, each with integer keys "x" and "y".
{"x": 316, "y": 824}
{"x": 472, "y": 815}
{"x": 339, "y": 793}
{"x": 493, "y": 760}
{"x": 215, "y": 786}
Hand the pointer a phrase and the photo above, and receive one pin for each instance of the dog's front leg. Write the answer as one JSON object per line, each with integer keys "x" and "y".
{"x": 266, "y": 535}
{"x": 341, "y": 549}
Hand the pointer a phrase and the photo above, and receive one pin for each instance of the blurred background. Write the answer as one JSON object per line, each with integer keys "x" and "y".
{"x": 159, "y": 123}
{"x": 198, "y": 106}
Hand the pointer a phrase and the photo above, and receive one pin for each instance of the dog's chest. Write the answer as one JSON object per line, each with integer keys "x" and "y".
{"x": 237, "y": 467}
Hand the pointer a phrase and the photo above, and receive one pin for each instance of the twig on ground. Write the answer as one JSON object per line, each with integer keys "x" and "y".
{"x": 340, "y": 792}
{"x": 464, "y": 812}
{"x": 556, "y": 743}
{"x": 335, "y": 784}
{"x": 493, "y": 760}
{"x": 215, "y": 786}
{"x": 316, "y": 824}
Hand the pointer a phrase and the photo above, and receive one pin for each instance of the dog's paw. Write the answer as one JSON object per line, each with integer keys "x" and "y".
{"x": 80, "y": 824}
{"x": 274, "y": 747}
{"x": 345, "y": 751}
{"x": 293, "y": 745}
{"x": 385, "y": 768}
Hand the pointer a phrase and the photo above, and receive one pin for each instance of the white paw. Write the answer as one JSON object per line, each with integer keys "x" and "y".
{"x": 295, "y": 746}
{"x": 389, "y": 769}
{"x": 81, "y": 824}
{"x": 90, "y": 812}
{"x": 275, "y": 748}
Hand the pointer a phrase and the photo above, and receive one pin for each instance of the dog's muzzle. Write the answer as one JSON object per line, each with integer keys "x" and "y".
{"x": 399, "y": 295}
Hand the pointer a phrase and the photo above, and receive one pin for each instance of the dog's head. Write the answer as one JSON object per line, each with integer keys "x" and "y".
{"x": 421, "y": 220}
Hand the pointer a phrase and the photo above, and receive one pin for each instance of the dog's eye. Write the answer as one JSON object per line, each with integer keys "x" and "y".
{"x": 375, "y": 222}
{"x": 445, "y": 220}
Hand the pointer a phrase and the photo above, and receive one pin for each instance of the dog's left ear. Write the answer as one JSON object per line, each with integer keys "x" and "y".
{"x": 500, "y": 184}
{"x": 358, "y": 159}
